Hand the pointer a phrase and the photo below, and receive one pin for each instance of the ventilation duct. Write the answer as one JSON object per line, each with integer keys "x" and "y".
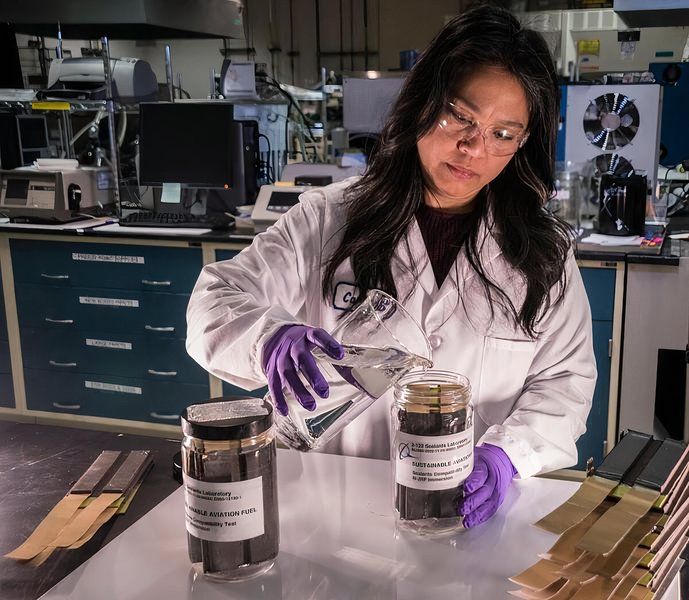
{"x": 126, "y": 19}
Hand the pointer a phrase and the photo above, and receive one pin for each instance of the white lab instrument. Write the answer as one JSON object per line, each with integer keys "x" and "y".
{"x": 273, "y": 201}
{"x": 615, "y": 128}
{"x": 53, "y": 195}
{"x": 84, "y": 78}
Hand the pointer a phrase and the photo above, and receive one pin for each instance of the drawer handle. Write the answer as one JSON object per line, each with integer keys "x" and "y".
{"x": 48, "y": 276}
{"x": 61, "y": 364}
{"x": 162, "y": 373}
{"x": 60, "y": 321}
{"x": 151, "y": 328}
{"x": 156, "y": 415}
{"x": 67, "y": 406}
{"x": 151, "y": 282}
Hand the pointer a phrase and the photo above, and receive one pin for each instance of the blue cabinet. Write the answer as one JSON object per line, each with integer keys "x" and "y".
{"x": 227, "y": 388}
{"x": 109, "y": 396}
{"x": 102, "y": 328}
{"x": 6, "y": 387}
{"x": 600, "y": 288}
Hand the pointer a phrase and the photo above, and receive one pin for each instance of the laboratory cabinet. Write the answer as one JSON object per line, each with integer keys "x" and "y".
{"x": 102, "y": 328}
{"x": 605, "y": 299}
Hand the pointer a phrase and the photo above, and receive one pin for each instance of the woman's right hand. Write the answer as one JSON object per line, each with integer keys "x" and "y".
{"x": 287, "y": 352}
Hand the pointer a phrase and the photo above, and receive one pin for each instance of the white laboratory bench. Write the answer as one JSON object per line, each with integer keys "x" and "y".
{"x": 337, "y": 542}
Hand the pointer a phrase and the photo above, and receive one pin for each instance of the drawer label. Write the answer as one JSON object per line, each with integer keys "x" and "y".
{"x": 109, "y": 344}
{"x": 112, "y": 387}
{"x": 109, "y": 301}
{"x": 113, "y": 258}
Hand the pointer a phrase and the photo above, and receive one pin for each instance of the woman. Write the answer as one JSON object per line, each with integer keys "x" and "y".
{"x": 449, "y": 219}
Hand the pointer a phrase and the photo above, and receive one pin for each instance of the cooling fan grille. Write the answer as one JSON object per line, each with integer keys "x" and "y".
{"x": 611, "y": 121}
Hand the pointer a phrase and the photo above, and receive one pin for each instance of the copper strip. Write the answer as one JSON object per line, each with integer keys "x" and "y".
{"x": 589, "y": 495}
{"x": 627, "y": 584}
{"x": 618, "y": 521}
{"x": 675, "y": 475}
{"x": 679, "y": 493}
{"x": 564, "y": 549}
{"x": 544, "y": 594}
{"x": 538, "y": 576}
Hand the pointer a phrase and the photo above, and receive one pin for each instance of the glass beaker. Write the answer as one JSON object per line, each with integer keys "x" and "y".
{"x": 382, "y": 343}
{"x": 565, "y": 203}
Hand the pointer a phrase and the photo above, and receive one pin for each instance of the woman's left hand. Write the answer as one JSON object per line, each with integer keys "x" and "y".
{"x": 485, "y": 488}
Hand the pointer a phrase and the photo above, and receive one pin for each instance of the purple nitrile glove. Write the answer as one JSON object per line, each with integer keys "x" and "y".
{"x": 485, "y": 488}
{"x": 288, "y": 351}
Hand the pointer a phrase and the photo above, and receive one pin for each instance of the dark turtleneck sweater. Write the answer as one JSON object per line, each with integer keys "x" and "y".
{"x": 443, "y": 233}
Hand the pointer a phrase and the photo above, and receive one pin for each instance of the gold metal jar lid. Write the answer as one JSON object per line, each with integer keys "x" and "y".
{"x": 433, "y": 388}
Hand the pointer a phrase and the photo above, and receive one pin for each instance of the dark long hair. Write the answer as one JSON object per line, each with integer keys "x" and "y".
{"x": 382, "y": 204}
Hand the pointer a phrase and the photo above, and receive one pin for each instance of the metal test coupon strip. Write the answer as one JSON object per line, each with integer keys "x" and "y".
{"x": 609, "y": 530}
{"x": 596, "y": 488}
{"x": 64, "y": 510}
{"x": 125, "y": 477}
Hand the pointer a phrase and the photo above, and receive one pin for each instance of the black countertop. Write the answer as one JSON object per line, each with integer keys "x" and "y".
{"x": 670, "y": 254}
{"x": 38, "y": 465}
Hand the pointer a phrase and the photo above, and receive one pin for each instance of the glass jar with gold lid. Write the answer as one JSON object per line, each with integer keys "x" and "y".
{"x": 432, "y": 449}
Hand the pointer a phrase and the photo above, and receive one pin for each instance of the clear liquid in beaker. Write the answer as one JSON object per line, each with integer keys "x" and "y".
{"x": 364, "y": 374}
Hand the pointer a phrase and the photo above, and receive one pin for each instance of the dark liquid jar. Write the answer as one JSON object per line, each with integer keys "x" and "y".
{"x": 432, "y": 450}
{"x": 230, "y": 487}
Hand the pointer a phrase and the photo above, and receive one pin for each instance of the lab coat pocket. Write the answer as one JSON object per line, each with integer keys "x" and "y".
{"x": 504, "y": 369}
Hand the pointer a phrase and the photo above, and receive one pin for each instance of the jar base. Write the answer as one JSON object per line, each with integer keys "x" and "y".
{"x": 242, "y": 573}
{"x": 431, "y": 526}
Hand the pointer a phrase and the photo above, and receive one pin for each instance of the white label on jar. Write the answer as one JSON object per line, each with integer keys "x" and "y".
{"x": 224, "y": 512}
{"x": 136, "y": 260}
{"x": 433, "y": 462}
{"x": 108, "y": 344}
{"x": 109, "y": 301}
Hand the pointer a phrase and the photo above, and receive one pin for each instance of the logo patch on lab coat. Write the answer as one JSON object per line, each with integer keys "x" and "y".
{"x": 346, "y": 294}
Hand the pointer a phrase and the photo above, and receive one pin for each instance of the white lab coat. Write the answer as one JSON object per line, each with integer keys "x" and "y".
{"x": 531, "y": 397}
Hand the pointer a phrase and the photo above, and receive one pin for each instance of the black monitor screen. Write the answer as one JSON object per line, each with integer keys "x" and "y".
{"x": 33, "y": 131}
{"x": 17, "y": 191}
{"x": 187, "y": 143}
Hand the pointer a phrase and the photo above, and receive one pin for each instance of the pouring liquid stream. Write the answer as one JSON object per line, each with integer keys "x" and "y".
{"x": 366, "y": 369}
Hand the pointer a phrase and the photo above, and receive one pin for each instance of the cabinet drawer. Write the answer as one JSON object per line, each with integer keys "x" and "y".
{"x": 136, "y": 356}
{"x": 5, "y": 364}
{"x": 600, "y": 289}
{"x": 225, "y": 254}
{"x": 69, "y": 264}
{"x": 6, "y": 390}
{"x": 101, "y": 310}
{"x": 109, "y": 396}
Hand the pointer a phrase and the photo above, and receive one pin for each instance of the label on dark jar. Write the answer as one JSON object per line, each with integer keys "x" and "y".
{"x": 224, "y": 512}
{"x": 433, "y": 462}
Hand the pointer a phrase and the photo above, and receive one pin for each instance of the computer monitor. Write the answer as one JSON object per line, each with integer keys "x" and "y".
{"x": 185, "y": 147}
{"x": 191, "y": 144}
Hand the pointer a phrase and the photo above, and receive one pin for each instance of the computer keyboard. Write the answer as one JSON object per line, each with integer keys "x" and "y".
{"x": 149, "y": 219}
